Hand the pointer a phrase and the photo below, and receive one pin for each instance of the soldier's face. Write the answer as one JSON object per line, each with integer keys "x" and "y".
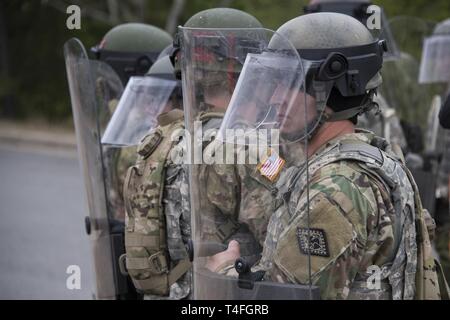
{"x": 295, "y": 109}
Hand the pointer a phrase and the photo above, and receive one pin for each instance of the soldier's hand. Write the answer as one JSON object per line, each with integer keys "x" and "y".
{"x": 225, "y": 258}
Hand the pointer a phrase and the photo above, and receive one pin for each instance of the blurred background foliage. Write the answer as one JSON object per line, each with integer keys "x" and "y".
{"x": 32, "y": 34}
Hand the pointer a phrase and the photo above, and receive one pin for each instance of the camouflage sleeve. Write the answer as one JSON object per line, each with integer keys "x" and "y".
{"x": 348, "y": 231}
{"x": 176, "y": 209}
{"x": 257, "y": 202}
{"x": 222, "y": 187}
{"x": 216, "y": 188}
{"x": 221, "y": 199}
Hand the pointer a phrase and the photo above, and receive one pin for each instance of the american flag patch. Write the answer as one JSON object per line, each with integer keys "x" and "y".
{"x": 271, "y": 166}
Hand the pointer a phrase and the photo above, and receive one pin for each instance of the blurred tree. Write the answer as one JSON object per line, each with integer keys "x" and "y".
{"x": 5, "y": 81}
{"x": 174, "y": 15}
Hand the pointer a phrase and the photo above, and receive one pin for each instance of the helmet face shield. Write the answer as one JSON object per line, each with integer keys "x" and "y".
{"x": 288, "y": 91}
{"x": 270, "y": 99}
{"x": 435, "y": 64}
{"x": 137, "y": 112}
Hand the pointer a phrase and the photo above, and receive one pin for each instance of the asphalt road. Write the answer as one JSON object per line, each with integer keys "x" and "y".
{"x": 41, "y": 230}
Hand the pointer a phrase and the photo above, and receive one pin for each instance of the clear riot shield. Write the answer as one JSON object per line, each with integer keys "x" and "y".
{"x": 137, "y": 113}
{"x": 436, "y": 60}
{"x": 409, "y": 33}
{"x": 95, "y": 90}
{"x": 257, "y": 77}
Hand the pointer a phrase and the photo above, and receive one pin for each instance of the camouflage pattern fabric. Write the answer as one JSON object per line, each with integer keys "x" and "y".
{"x": 241, "y": 193}
{"x": 175, "y": 207}
{"x": 178, "y": 228}
{"x": 238, "y": 198}
{"x": 221, "y": 207}
{"x": 354, "y": 227}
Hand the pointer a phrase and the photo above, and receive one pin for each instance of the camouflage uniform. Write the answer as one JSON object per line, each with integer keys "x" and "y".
{"x": 237, "y": 191}
{"x": 176, "y": 228}
{"x": 353, "y": 226}
{"x": 225, "y": 216}
{"x": 240, "y": 191}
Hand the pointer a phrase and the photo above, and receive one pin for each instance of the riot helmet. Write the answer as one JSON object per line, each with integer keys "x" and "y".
{"x": 132, "y": 48}
{"x": 337, "y": 66}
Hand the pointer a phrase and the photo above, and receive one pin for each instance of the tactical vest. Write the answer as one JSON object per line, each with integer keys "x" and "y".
{"x": 146, "y": 258}
{"x": 414, "y": 273}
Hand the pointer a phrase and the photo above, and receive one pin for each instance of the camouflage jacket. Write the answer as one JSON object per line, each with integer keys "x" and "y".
{"x": 238, "y": 200}
{"x": 218, "y": 187}
{"x": 353, "y": 231}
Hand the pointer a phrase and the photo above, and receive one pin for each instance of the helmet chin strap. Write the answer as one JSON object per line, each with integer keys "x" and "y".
{"x": 314, "y": 125}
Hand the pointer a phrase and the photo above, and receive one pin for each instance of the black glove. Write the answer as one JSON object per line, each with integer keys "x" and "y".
{"x": 444, "y": 114}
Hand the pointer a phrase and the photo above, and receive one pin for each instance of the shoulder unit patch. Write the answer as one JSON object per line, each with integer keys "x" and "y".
{"x": 318, "y": 245}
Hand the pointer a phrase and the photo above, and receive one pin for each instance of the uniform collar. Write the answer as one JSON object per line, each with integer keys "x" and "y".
{"x": 359, "y": 135}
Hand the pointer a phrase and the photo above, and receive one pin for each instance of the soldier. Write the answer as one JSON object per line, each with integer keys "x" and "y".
{"x": 132, "y": 48}
{"x": 211, "y": 67}
{"x": 157, "y": 219}
{"x": 235, "y": 200}
{"x": 351, "y": 208}
{"x": 435, "y": 69}
{"x": 157, "y": 199}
